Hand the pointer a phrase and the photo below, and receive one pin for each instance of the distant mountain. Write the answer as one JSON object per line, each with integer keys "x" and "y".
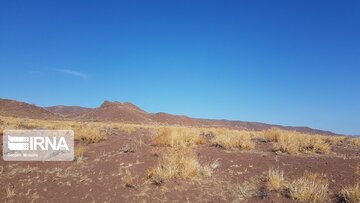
{"x": 115, "y": 111}
{"x": 129, "y": 113}
{"x": 14, "y": 108}
{"x": 67, "y": 111}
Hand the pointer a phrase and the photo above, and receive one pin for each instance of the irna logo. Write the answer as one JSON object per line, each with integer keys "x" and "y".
{"x": 38, "y": 145}
{"x": 35, "y": 143}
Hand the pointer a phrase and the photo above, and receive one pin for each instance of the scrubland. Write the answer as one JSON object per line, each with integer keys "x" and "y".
{"x": 178, "y": 157}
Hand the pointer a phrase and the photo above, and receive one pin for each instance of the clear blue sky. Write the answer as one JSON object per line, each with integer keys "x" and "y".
{"x": 282, "y": 62}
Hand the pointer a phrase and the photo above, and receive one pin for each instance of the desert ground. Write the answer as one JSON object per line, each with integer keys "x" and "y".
{"x": 118, "y": 161}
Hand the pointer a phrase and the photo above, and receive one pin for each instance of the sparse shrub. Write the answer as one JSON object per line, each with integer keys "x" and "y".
{"x": 26, "y": 124}
{"x": 79, "y": 152}
{"x": 273, "y": 134}
{"x": 88, "y": 134}
{"x": 309, "y": 188}
{"x": 129, "y": 179}
{"x": 335, "y": 140}
{"x": 293, "y": 142}
{"x": 178, "y": 164}
{"x": 275, "y": 180}
{"x": 318, "y": 145}
{"x": 354, "y": 141}
{"x": 246, "y": 189}
{"x": 288, "y": 145}
{"x": 350, "y": 194}
{"x": 177, "y": 137}
{"x": 127, "y": 128}
{"x": 233, "y": 139}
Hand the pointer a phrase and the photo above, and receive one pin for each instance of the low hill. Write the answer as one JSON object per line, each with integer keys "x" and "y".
{"x": 67, "y": 111}
{"x": 14, "y": 108}
{"x": 115, "y": 111}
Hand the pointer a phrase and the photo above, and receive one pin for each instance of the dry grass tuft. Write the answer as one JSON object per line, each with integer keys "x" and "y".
{"x": 293, "y": 142}
{"x": 233, "y": 139}
{"x": 129, "y": 179}
{"x": 79, "y": 152}
{"x": 10, "y": 191}
{"x": 335, "y": 140}
{"x": 178, "y": 164}
{"x": 354, "y": 141}
{"x": 310, "y": 188}
{"x": 88, "y": 134}
{"x": 177, "y": 137}
{"x": 350, "y": 194}
{"x": 127, "y": 128}
{"x": 275, "y": 180}
{"x": 245, "y": 190}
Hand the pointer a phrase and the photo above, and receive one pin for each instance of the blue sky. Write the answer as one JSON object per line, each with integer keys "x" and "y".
{"x": 282, "y": 62}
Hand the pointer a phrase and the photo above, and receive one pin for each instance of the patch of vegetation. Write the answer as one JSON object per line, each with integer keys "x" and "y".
{"x": 79, "y": 152}
{"x": 88, "y": 134}
{"x": 178, "y": 137}
{"x": 312, "y": 187}
{"x": 350, "y": 194}
{"x": 293, "y": 142}
{"x": 178, "y": 164}
{"x": 275, "y": 180}
{"x": 354, "y": 141}
{"x": 129, "y": 179}
{"x": 233, "y": 139}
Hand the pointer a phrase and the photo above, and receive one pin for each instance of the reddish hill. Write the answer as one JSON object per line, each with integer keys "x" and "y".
{"x": 67, "y": 111}
{"x": 166, "y": 118}
{"x": 14, "y": 108}
{"x": 116, "y": 111}
{"x": 129, "y": 113}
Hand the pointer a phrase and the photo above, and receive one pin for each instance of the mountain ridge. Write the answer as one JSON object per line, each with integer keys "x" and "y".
{"x": 130, "y": 113}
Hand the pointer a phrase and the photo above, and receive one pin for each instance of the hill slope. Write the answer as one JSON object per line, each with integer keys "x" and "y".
{"x": 115, "y": 111}
{"x": 14, "y": 108}
{"x": 67, "y": 111}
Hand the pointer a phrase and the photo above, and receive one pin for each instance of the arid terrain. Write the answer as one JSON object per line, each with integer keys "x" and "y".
{"x": 124, "y": 154}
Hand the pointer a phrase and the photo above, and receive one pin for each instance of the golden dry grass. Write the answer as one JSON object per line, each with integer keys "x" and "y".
{"x": 354, "y": 141}
{"x": 86, "y": 131}
{"x": 286, "y": 141}
{"x": 293, "y": 142}
{"x": 177, "y": 137}
{"x": 245, "y": 190}
{"x": 335, "y": 140}
{"x": 275, "y": 180}
{"x": 178, "y": 164}
{"x": 229, "y": 139}
{"x": 79, "y": 152}
{"x": 350, "y": 194}
{"x": 311, "y": 187}
{"x": 88, "y": 134}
